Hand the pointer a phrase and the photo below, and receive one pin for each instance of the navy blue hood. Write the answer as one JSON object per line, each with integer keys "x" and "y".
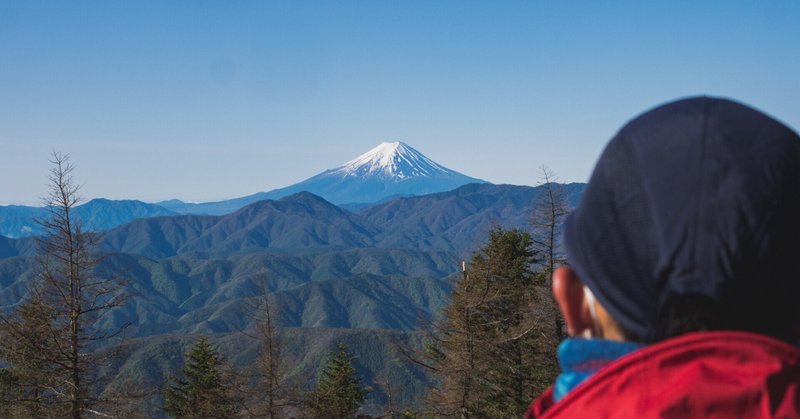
{"x": 699, "y": 196}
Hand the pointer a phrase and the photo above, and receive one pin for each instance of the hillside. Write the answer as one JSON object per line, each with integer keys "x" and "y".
{"x": 95, "y": 215}
{"x": 453, "y": 221}
{"x": 365, "y": 275}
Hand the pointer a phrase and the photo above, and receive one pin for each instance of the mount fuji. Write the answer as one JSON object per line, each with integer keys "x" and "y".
{"x": 389, "y": 170}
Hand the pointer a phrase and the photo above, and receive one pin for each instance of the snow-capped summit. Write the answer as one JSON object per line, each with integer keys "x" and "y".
{"x": 392, "y": 161}
{"x": 388, "y": 170}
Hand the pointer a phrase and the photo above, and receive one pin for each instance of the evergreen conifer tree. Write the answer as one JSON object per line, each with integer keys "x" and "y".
{"x": 27, "y": 348}
{"x": 486, "y": 349}
{"x": 338, "y": 394}
{"x": 201, "y": 392}
{"x": 8, "y": 390}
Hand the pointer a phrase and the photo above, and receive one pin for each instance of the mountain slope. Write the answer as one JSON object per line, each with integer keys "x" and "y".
{"x": 158, "y": 237}
{"x": 390, "y": 169}
{"x": 365, "y": 277}
{"x": 20, "y": 221}
{"x": 387, "y": 170}
{"x": 364, "y": 288}
{"x": 456, "y": 220}
{"x": 96, "y": 215}
{"x": 299, "y": 221}
{"x": 25, "y": 246}
{"x": 102, "y": 214}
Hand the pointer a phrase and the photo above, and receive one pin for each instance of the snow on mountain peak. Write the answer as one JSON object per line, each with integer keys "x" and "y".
{"x": 393, "y": 160}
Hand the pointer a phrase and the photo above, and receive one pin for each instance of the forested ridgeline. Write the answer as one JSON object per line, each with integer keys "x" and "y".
{"x": 333, "y": 332}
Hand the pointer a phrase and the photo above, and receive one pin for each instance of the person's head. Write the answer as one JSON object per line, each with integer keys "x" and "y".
{"x": 690, "y": 222}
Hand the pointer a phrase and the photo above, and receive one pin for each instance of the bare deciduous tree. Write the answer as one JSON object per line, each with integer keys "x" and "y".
{"x": 549, "y": 211}
{"x": 66, "y": 303}
{"x": 270, "y": 394}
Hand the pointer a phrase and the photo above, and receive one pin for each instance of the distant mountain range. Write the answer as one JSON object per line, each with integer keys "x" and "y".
{"x": 363, "y": 272}
{"x": 453, "y": 221}
{"x": 367, "y": 277}
{"x": 95, "y": 215}
{"x": 388, "y": 170}
{"x": 181, "y": 264}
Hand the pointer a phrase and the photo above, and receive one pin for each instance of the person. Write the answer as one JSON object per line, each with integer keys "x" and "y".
{"x": 682, "y": 290}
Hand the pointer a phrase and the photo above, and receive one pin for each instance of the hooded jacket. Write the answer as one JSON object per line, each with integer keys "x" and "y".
{"x": 699, "y": 375}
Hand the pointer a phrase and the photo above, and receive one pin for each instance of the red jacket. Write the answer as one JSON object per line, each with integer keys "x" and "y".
{"x": 699, "y": 375}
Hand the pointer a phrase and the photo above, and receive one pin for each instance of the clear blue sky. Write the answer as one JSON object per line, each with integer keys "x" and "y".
{"x": 210, "y": 100}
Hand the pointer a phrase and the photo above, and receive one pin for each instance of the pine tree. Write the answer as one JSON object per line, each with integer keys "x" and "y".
{"x": 26, "y": 347}
{"x": 338, "y": 394}
{"x": 201, "y": 392}
{"x": 8, "y": 392}
{"x": 484, "y": 350}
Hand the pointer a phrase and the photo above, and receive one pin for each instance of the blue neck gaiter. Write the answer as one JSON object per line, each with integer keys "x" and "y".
{"x": 581, "y": 358}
